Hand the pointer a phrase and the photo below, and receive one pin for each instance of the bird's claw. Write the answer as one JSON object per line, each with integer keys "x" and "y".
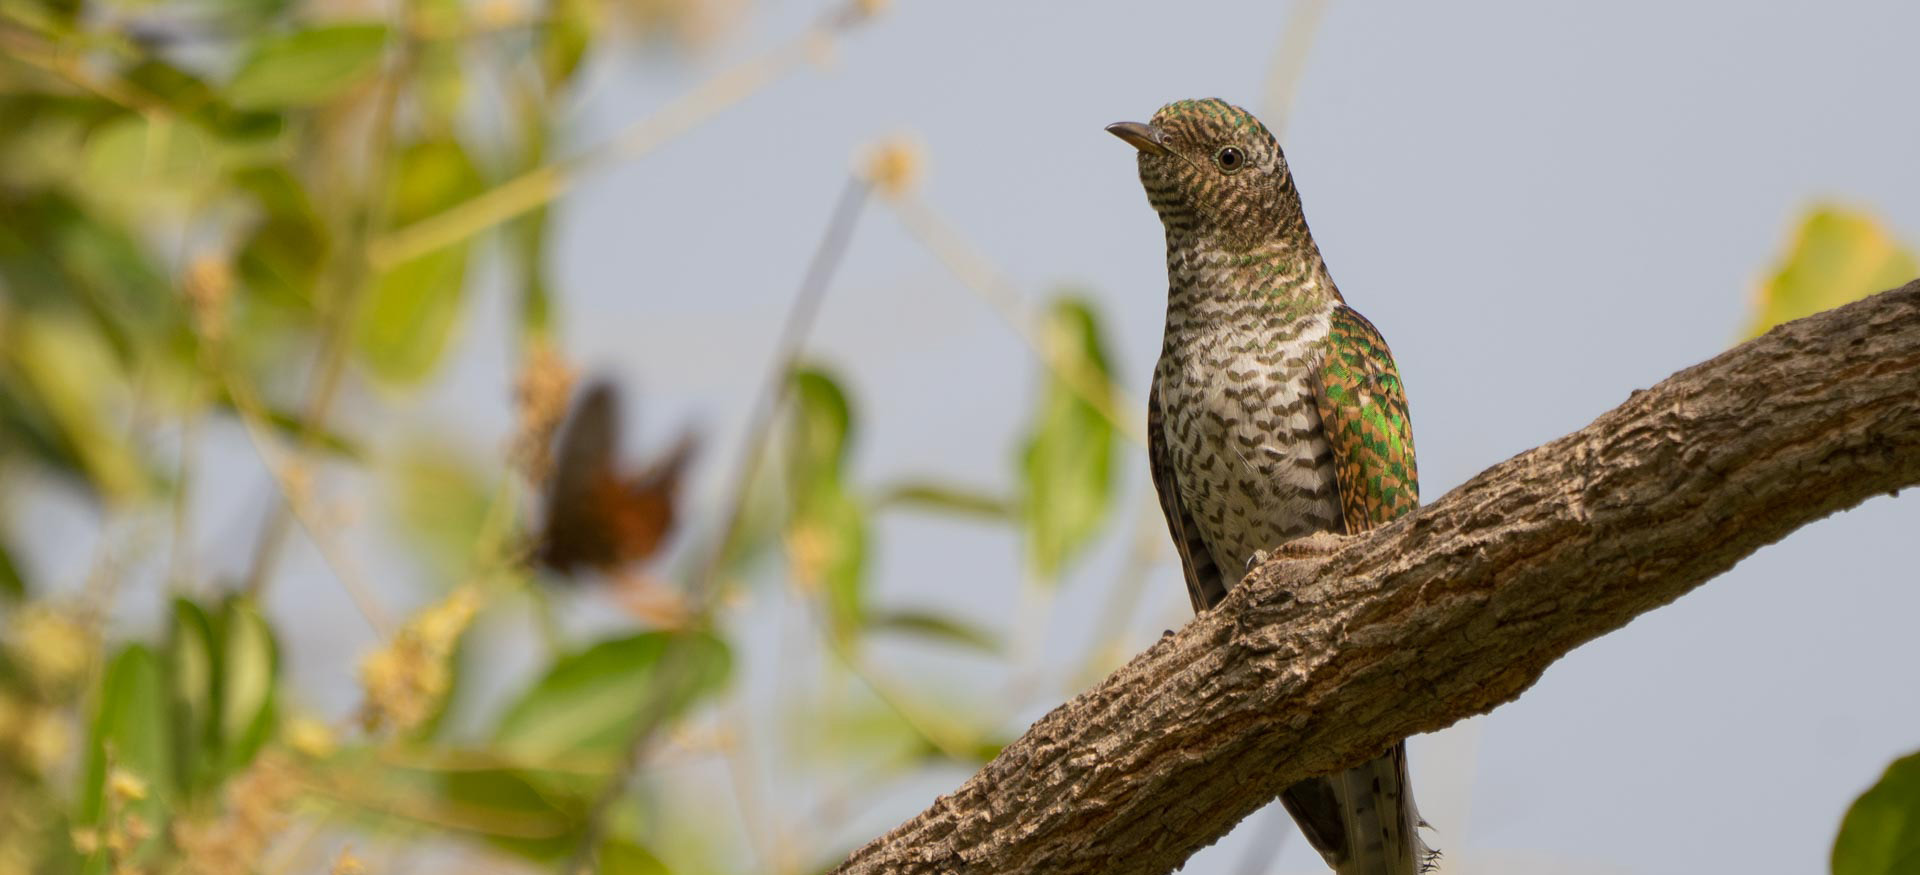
{"x": 1258, "y": 559}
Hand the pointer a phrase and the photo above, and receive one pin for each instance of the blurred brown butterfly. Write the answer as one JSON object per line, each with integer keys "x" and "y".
{"x": 597, "y": 519}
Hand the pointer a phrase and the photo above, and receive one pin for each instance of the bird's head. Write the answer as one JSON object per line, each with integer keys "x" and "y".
{"x": 1213, "y": 171}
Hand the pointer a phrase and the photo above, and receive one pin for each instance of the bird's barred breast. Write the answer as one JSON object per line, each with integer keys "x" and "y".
{"x": 1244, "y": 433}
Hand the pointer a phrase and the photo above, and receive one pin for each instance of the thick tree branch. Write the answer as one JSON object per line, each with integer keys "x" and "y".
{"x": 1317, "y": 663}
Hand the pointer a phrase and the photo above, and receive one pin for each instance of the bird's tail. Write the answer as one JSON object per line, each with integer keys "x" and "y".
{"x": 1363, "y": 820}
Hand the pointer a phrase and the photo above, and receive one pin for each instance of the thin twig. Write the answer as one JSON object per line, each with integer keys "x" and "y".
{"x": 348, "y": 276}
{"x": 1289, "y": 62}
{"x": 706, "y": 581}
{"x": 772, "y": 395}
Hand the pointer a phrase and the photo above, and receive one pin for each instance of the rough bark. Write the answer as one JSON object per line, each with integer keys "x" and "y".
{"x": 1317, "y": 662}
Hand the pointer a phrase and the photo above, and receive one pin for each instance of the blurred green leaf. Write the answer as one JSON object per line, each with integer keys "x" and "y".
{"x": 934, "y": 627}
{"x": 192, "y": 659}
{"x": 12, "y": 586}
{"x": 1068, "y": 462}
{"x": 248, "y": 669}
{"x": 441, "y": 498}
{"x": 60, "y": 259}
{"x": 823, "y": 419}
{"x": 131, "y": 732}
{"x": 539, "y": 822}
{"x": 408, "y": 319}
{"x": 1837, "y": 256}
{"x": 569, "y": 31}
{"x": 588, "y": 703}
{"x": 439, "y": 68}
{"x": 1881, "y": 832}
{"x": 308, "y": 66}
{"x": 282, "y": 253}
{"x": 68, "y": 381}
{"x": 827, "y": 529}
{"x": 620, "y": 856}
{"x": 133, "y": 158}
{"x": 946, "y": 498}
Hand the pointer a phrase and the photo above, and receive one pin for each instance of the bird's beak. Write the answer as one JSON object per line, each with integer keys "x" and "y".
{"x": 1147, "y": 138}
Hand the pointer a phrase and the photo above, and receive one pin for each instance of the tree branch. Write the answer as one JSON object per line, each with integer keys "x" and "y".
{"x": 1317, "y": 663}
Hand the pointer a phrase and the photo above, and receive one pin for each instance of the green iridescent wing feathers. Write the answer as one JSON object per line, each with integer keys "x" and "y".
{"x": 1363, "y": 408}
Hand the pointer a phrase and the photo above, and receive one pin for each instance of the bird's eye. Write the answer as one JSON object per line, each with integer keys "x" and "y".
{"x": 1230, "y": 159}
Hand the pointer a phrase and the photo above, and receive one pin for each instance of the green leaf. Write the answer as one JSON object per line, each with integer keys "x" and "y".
{"x": 588, "y": 703}
{"x": 131, "y": 733}
{"x": 620, "y": 856}
{"x": 69, "y": 382}
{"x": 823, "y": 419}
{"x": 193, "y": 658}
{"x": 1837, "y": 256}
{"x": 826, "y": 528}
{"x": 569, "y": 32}
{"x": 407, "y": 322}
{"x": 1881, "y": 832}
{"x": 934, "y": 627}
{"x": 249, "y": 667}
{"x": 308, "y": 66}
{"x": 1068, "y": 462}
{"x": 441, "y": 499}
{"x": 945, "y": 498}
{"x": 12, "y": 586}
{"x": 512, "y": 811}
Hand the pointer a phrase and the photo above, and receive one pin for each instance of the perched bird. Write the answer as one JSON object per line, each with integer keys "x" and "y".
{"x": 598, "y": 517}
{"x": 1276, "y": 413}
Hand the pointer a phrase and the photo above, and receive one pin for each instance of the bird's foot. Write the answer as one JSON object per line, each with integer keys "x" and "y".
{"x": 1258, "y": 559}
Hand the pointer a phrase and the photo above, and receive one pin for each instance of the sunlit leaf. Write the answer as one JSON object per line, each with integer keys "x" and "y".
{"x": 439, "y": 68}
{"x": 822, "y": 419}
{"x": 539, "y": 821}
{"x": 193, "y": 656}
{"x": 827, "y": 529}
{"x": 407, "y": 322}
{"x": 620, "y": 856}
{"x": 951, "y": 498}
{"x": 1068, "y": 463}
{"x": 308, "y": 66}
{"x": 563, "y": 43}
{"x": 930, "y": 626}
{"x": 249, "y": 664}
{"x": 74, "y": 383}
{"x": 281, "y": 256}
{"x": 134, "y": 157}
{"x": 589, "y": 703}
{"x": 130, "y": 735}
{"x": 1837, "y": 256}
{"x": 1881, "y": 832}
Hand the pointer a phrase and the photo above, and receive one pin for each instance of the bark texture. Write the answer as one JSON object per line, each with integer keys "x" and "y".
{"x": 1323, "y": 659}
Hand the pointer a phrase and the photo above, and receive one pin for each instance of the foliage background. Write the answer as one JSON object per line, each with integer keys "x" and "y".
{"x": 1544, "y": 205}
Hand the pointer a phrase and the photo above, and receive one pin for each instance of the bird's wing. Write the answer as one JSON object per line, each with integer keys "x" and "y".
{"x": 1363, "y": 410}
{"x": 1363, "y": 820}
{"x": 1204, "y": 585}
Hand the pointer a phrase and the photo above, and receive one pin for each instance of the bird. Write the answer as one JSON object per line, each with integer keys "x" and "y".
{"x": 1276, "y": 413}
{"x": 598, "y": 517}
